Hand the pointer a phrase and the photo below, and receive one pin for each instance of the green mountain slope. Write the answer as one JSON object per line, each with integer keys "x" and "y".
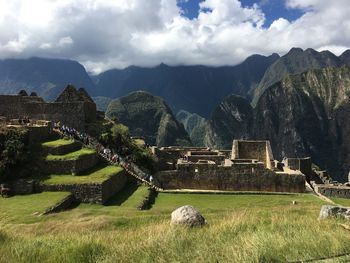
{"x": 303, "y": 115}
{"x": 149, "y": 116}
{"x": 297, "y": 61}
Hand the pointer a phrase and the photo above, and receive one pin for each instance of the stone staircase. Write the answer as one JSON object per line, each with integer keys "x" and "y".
{"x": 139, "y": 175}
{"x": 324, "y": 177}
{"x": 130, "y": 167}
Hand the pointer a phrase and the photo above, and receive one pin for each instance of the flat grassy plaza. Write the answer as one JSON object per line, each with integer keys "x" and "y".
{"x": 241, "y": 228}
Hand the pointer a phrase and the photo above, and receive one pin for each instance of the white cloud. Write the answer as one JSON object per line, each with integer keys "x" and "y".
{"x": 65, "y": 41}
{"x": 103, "y": 34}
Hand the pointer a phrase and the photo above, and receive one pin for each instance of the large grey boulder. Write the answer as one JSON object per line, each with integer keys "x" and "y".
{"x": 187, "y": 216}
{"x": 328, "y": 211}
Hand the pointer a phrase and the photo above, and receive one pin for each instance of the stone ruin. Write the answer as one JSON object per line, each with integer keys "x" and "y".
{"x": 73, "y": 107}
{"x": 250, "y": 166}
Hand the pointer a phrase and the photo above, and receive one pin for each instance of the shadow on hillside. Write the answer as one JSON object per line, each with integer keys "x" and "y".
{"x": 122, "y": 196}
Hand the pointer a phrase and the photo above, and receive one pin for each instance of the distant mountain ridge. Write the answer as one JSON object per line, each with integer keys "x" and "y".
{"x": 297, "y": 61}
{"x": 47, "y": 77}
{"x": 192, "y": 88}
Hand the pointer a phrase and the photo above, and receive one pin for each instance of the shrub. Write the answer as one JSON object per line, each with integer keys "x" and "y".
{"x": 13, "y": 149}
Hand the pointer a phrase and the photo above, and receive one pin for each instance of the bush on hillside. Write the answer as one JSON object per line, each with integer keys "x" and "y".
{"x": 13, "y": 150}
{"x": 115, "y": 135}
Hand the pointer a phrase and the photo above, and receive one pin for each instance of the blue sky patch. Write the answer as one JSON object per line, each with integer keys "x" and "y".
{"x": 273, "y": 9}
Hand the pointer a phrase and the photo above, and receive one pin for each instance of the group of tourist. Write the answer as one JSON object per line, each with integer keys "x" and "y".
{"x": 74, "y": 134}
{"x": 105, "y": 152}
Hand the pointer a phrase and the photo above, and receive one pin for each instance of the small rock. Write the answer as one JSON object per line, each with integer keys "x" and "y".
{"x": 187, "y": 216}
{"x": 328, "y": 211}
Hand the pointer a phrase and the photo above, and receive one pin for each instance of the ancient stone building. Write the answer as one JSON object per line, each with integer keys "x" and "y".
{"x": 74, "y": 108}
{"x": 250, "y": 166}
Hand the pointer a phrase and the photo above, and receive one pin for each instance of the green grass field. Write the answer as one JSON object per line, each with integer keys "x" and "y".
{"x": 341, "y": 201}
{"x": 57, "y": 143}
{"x": 96, "y": 175}
{"x": 71, "y": 156}
{"x": 241, "y": 228}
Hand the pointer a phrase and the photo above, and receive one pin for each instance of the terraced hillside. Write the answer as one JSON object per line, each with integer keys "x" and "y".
{"x": 67, "y": 166}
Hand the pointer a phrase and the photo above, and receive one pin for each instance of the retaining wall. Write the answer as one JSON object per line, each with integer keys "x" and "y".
{"x": 333, "y": 191}
{"x": 91, "y": 193}
{"x": 73, "y": 114}
{"x": 242, "y": 177}
{"x": 84, "y": 163}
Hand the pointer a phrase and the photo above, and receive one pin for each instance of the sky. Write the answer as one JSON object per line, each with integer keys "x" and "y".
{"x": 105, "y": 34}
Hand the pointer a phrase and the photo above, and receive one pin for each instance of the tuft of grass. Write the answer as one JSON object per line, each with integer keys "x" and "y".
{"x": 98, "y": 175}
{"x": 57, "y": 143}
{"x": 71, "y": 156}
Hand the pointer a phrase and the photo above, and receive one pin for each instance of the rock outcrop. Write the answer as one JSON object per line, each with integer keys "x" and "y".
{"x": 187, "y": 216}
{"x": 232, "y": 119}
{"x": 329, "y": 211}
{"x": 297, "y": 61}
{"x": 195, "y": 125}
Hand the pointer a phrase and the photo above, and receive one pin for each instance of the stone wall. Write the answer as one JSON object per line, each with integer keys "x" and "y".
{"x": 259, "y": 150}
{"x": 39, "y": 133}
{"x": 91, "y": 193}
{"x": 332, "y": 190}
{"x": 218, "y": 159}
{"x": 73, "y": 114}
{"x": 242, "y": 177}
{"x": 22, "y": 187}
{"x": 302, "y": 164}
{"x": 85, "y": 162}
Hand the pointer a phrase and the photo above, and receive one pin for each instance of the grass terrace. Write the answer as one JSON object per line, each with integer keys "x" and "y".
{"x": 25, "y": 208}
{"x": 57, "y": 143}
{"x": 97, "y": 175}
{"x": 71, "y": 156}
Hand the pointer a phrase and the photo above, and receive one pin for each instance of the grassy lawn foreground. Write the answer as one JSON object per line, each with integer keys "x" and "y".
{"x": 22, "y": 208}
{"x": 241, "y": 228}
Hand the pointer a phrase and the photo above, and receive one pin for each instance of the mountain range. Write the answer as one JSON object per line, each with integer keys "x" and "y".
{"x": 192, "y": 88}
{"x": 300, "y": 101}
{"x": 46, "y": 77}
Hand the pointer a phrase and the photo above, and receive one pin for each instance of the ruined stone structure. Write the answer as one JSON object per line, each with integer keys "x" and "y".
{"x": 249, "y": 167}
{"x": 74, "y": 108}
{"x": 320, "y": 181}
